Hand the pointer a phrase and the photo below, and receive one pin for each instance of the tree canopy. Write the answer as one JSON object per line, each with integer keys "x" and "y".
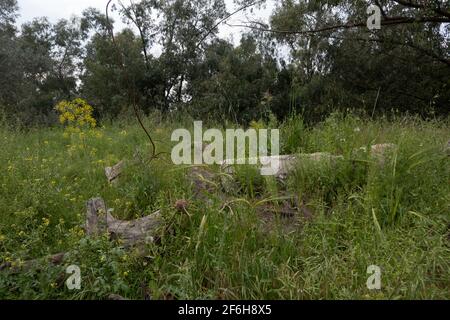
{"x": 171, "y": 58}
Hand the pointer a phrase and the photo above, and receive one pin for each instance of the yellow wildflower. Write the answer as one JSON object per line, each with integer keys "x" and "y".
{"x": 45, "y": 222}
{"x": 77, "y": 114}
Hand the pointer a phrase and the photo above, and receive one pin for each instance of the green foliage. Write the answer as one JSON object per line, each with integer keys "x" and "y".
{"x": 393, "y": 214}
{"x": 106, "y": 85}
{"x": 409, "y": 179}
{"x": 337, "y": 68}
{"x": 250, "y": 181}
{"x": 343, "y": 90}
{"x": 326, "y": 179}
{"x": 211, "y": 78}
{"x": 294, "y": 135}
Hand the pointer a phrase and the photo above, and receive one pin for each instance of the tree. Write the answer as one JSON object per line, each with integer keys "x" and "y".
{"x": 183, "y": 26}
{"x": 10, "y": 75}
{"x": 105, "y": 83}
{"x": 342, "y": 63}
{"x": 8, "y": 15}
{"x": 234, "y": 83}
{"x": 39, "y": 67}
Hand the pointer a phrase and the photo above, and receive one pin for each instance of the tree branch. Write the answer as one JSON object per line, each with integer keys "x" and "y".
{"x": 388, "y": 21}
{"x": 139, "y": 27}
{"x": 411, "y": 4}
{"x": 406, "y": 44}
{"x": 208, "y": 32}
{"x": 132, "y": 91}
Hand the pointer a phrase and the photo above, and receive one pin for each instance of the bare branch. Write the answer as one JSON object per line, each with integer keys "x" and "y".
{"x": 414, "y": 5}
{"x": 422, "y": 50}
{"x": 132, "y": 91}
{"x": 389, "y": 21}
{"x": 208, "y": 32}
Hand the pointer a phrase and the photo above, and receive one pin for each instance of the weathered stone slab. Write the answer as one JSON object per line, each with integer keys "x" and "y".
{"x": 284, "y": 163}
{"x": 96, "y": 217}
{"x": 99, "y": 221}
{"x": 113, "y": 173}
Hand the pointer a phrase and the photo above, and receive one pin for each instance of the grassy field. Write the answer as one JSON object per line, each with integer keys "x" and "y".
{"x": 360, "y": 213}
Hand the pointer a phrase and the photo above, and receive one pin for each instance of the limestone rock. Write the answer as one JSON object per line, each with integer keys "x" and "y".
{"x": 285, "y": 164}
{"x": 99, "y": 220}
{"x": 113, "y": 173}
{"x": 96, "y": 217}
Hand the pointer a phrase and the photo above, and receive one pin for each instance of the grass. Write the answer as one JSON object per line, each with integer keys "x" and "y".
{"x": 394, "y": 215}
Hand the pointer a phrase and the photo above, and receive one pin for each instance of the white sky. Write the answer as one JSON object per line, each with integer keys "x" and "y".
{"x": 57, "y": 9}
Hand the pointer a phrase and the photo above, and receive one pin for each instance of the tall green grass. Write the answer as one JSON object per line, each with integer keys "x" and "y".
{"x": 394, "y": 215}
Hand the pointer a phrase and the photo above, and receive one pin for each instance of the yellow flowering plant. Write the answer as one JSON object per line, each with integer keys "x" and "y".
{"x": 76, "y": 115}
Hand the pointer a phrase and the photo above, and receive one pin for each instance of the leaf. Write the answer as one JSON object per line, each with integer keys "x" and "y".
{"x": 377, "y": 224}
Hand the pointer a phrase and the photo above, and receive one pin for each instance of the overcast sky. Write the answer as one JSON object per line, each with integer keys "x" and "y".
{"x": 57, "y": 9}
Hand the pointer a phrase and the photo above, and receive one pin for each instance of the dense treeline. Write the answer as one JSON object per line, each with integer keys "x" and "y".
{"x": 329, "y": 60}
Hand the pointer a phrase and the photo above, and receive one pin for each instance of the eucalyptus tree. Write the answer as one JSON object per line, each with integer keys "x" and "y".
{"x": 178, "y": 29}
{"x": 9, "y": 73}
{"x": 234, "y": 82}
{"x": 340, "y": 62}
{"x": 104, "y": 80}
{"x": 40, "y": 64}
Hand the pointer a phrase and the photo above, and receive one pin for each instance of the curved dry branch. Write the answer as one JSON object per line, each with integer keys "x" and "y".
{"x": 388, "y": 21}
{"x": 132, "y": 92}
